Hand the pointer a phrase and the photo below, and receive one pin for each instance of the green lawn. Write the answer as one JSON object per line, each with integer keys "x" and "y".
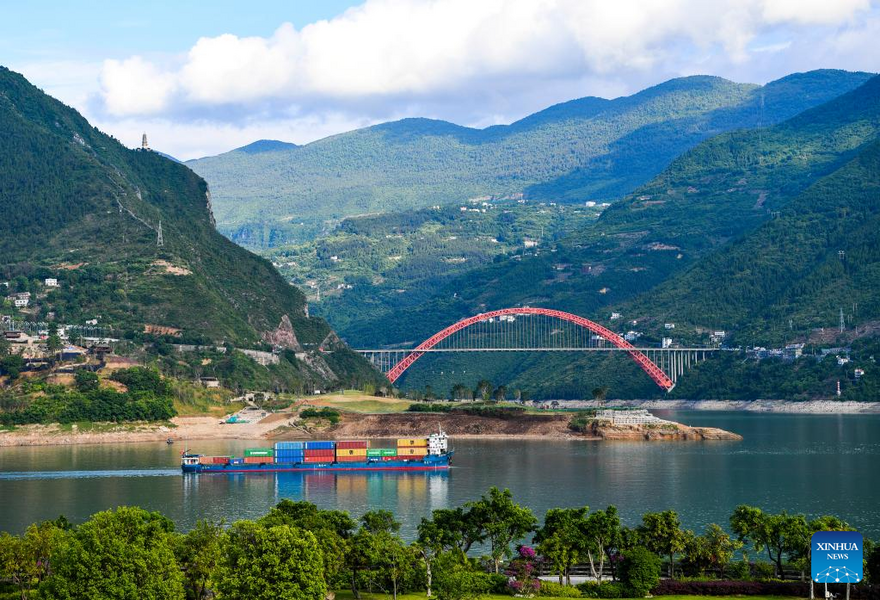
{"x": 347, "y": 595}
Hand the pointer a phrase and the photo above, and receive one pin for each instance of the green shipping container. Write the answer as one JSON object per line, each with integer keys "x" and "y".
{"x": 389, "y": 452}
{"x": 259, "y": 452}
{"x": 374, "y": 452}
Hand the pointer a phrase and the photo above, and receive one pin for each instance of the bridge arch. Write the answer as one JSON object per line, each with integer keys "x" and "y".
{"x": 647, "y": 365}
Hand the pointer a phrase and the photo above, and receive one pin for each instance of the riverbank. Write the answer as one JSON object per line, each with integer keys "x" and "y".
{"x": 812, "y": 407}
{"x": 280, "y": 426}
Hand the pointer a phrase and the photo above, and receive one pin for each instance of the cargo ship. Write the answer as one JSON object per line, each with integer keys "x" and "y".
{"x": 408, "y": 454}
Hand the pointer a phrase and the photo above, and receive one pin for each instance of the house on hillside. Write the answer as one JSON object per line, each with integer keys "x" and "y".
{"x": 209, "y": 382}
{"x": 21, "y": 302}
{"x": 50, "y": 282}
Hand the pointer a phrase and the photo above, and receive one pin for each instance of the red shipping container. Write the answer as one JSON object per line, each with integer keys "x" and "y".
{"x": 392, "y": 457}
{"x": 318, "y": 459}
{"x": 256, "y": 460}
{"x": 347, "y": 445}
{"x": 324, "y": 453}
{"x": 351, "y": 459}
{"x": 221, "y": 460}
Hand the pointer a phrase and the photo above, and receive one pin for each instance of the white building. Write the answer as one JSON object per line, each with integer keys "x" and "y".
{"x": 615, "y": 316}
{"x": 669, "y": 325}
{"x": 629, "y": 417}
{"x": 21, "y": 302}
{"x": 666, "y": 342}
{"x": 530, "y": 243}
{"x": 50, "y": 282}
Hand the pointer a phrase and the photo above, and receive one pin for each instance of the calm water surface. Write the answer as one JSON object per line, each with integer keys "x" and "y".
{"x": 802, "y": 463}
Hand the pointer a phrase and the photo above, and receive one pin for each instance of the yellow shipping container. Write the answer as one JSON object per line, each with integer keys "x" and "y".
{"x": 412, "y": 443}
{"x": 412, "y": 451}
{"x": 351, "y": 452}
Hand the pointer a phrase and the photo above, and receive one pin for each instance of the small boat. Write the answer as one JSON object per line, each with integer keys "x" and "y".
{"x": 169, "y": 441}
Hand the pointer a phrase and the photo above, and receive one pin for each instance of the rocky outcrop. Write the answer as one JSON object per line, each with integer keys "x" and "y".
{"x": 283, "y": 336}
{"x": 667, "y": 431}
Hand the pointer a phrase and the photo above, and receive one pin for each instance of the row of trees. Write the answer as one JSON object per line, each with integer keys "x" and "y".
{"x": 298, "y": 551}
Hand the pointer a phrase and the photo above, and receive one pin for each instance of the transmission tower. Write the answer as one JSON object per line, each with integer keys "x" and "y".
{"x": 842, "y": 321}
{"x": 160, "y": 241}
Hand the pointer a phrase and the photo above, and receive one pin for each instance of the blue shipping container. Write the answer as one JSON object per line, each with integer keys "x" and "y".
{"x": 290, "y": 445}
{"x": 320, "y": 445}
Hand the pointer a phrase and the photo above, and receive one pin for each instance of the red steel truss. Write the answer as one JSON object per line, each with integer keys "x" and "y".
{"x": 647, "y": 365}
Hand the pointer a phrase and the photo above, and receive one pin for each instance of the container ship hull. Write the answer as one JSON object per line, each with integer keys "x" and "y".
{"x": 408, "y": 454}
{"x": 430, "y": 463}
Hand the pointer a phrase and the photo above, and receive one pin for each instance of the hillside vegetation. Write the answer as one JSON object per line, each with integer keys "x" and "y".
{"x": 589, "y": 148}
{"x": 80, "y": 207}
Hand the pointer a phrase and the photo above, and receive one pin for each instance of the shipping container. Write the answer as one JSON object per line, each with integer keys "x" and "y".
{"x": 206, "y": 460}
{"x": 412, "y": 442}
{"x": 330, "y": 453}
{"x": 374, "y": 452}
{"x": 257, "y": 460}
{"x": 236, "y": 461}
{"x": 320, "y": 445}
{"x": 220, "y": 460}
{"x": 351, "y": 459}
{"x": 351, "y": 452}
{"x": 258, "y": 452}
{"x": 389, "y": 451}
{"x": 289, "y": 446}
{"x": 318, "y": 459}
{"x": 351, "y": 444}
{"x": 412, "y": 451}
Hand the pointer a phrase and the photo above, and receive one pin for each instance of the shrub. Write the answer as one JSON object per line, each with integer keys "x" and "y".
{"x": 640, "y": 570}
{"x": 764, "y": 570}
{"x": 323, "y": 413}
{"x": 429, "y": 407}
{"x": 669, "y": 587}
{"x": 551, "y": 588}
{"x": 739, "y": 570}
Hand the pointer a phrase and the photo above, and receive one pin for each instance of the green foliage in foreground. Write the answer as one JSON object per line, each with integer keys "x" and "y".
{"x": 299, "y": 552}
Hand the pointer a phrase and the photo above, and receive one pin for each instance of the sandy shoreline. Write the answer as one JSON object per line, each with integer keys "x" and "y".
{"x": 376, "y": 426}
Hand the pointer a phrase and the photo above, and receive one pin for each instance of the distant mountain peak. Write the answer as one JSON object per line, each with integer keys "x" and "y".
{"x": 261, "y": 146}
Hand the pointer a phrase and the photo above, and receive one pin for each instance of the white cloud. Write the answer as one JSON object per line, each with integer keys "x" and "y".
{"x": 470, "y": 62}
{"x": 414, "y": 48}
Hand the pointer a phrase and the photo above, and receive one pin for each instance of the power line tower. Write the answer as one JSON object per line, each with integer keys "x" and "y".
{"x": 842, "y": 321}
{"x": 160, "y": 241}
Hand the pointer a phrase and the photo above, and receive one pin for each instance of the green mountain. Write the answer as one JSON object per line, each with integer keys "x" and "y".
{"x": 590, "y": 148}
{"x": 740, "y": 233}
{"x": 80, "y": 207}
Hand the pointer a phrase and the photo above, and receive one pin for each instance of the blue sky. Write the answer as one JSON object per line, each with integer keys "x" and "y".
{"x": 202, "y": 78}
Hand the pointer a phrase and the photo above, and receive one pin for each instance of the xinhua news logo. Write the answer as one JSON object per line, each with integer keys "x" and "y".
{"x": 836, "y": 557}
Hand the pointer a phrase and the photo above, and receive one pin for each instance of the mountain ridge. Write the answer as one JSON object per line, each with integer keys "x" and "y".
{"x": 583, "y": 149}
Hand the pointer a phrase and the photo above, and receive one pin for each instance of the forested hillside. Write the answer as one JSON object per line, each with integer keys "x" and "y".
{"x": 585, "y": 149}
{"x": 740, "y": 234}
{"x": 81, "y": 208}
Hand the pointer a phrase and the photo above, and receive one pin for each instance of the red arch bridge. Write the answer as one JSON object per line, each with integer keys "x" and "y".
{"x": 538, "y": 330}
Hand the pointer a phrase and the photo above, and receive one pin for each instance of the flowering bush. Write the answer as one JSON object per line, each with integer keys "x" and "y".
{"x": 522, "y": 573}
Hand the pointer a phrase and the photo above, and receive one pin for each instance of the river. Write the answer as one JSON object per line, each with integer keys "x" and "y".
{"x": 813, "y": 464}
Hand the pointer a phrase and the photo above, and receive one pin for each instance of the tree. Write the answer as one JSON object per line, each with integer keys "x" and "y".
{"x": 11, "y": 365}
{"x": 332, "y": 529}
{"x": 640, "y": 571}
{"x": 778, "y": 534}
{"x": 483, "y": 390}
{"x": 198, "y": 553}
{"x": 86, "y": 381}
{"x": 601, "y": 530}
{"x": 662, "y": 534}
{"x": 712, "y": 550}
{"x": 500, "y": 393}
{"x": 25, "y": 561}
{"x": 462, "y": 392}
{"x": 458, "y": 528}
{"x": 561, "y": 540}
{"x": 269, "y": 563}
{"x": 394, "y": 560}
{"x": 502, "y": 522}
{"x": 126, "y": 553}
{"x": 429, "y": 544}
{"x": 600, "y": 393}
